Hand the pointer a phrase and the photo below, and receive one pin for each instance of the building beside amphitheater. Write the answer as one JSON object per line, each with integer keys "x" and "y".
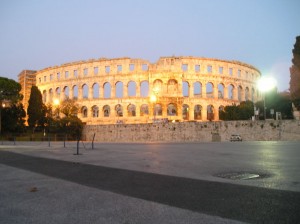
{"x": 125, "y": 90}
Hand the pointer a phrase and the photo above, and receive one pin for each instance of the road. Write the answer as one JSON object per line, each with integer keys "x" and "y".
{"x": 151, "y": 183}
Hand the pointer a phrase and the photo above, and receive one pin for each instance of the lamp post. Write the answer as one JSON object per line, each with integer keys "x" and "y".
{"x": 265, "y": 84}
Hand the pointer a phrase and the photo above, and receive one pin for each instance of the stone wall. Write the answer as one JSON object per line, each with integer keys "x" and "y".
{"x": 195, "y": 131}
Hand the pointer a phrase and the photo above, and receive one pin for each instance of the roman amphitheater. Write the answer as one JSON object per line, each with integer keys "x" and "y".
{"x": 125, "y": 90}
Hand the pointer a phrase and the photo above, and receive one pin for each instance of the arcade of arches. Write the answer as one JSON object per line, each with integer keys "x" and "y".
{"x": 125, "y": 90}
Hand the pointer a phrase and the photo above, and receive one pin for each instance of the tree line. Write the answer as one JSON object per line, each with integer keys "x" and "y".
{"x": 60, "y": 119}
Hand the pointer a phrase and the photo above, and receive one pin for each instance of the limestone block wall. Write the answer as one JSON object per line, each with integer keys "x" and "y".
{"x": 195, "y": 131}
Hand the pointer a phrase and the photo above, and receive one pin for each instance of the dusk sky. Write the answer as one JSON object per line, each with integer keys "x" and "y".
{"x": 36, "y": 34}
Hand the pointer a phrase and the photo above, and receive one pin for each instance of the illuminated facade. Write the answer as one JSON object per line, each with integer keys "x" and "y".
{"x": 125, "y": 90}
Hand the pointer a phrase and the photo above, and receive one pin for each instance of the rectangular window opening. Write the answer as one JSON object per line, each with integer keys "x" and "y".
{"x": 209, "y": 69}
{"x": 220, "y": 70}
{"x": 184, "y": 67}
{"x": 230, "y": 71}
{"x": 85, "y": 71}
{"x": 107, "y": 69}
{"x": 95, "y": 70}
{"x": 197, "y": 68}
{"x": 144, "y": 67}
{"x": 75, "y": 73}
{"x": 131, "y": 67}
{"x": 67, "y": 74}
{"x": 119, "y": 68}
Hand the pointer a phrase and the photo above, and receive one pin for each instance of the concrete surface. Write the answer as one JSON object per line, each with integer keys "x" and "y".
{"x": 149, "y": 183}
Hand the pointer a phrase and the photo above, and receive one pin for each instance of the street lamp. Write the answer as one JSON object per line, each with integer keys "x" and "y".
{"x": 265, "y": 84}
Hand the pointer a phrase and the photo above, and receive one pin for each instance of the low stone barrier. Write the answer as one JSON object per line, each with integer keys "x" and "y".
{"x": 270, "y": 130}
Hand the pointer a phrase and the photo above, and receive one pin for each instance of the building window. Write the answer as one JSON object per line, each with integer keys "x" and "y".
{"x": 239, "y": 73}
{"x": 230, "y": 71}
{"x": 144, "y": 67}
{"x": 107, "y": 69}
{"x": 184, "y": 67}
{"x": 40, "y": 80}
{"x": 119, "y": 68}
{"x": 220, "y": 70}
{"x": 85, "y": 71}
{"x": 51, "y": 77}
{"x": 45, "y": 78}
{"x": 95, "y": 70}
{"x": 131, "y": 67}
{"x": 197, "y": 68}
{"x": 246, "y": 75}
{"x": 75, "y": 73}
{"x": 209, "y": 69}
{"x": 58, "y": 75}
{"x": 67, "y": 74}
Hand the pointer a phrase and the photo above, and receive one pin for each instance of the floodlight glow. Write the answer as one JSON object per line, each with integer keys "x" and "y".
{"x": 56, "y": 102}
{"x": 266, "y": 83}
{"x": 153, "y": 98}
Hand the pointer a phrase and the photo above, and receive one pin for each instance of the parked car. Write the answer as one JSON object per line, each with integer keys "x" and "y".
{"x": 234, "y": 138}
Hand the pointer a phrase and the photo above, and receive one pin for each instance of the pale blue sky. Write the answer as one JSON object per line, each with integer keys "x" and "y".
{"x": 40, "y": 33}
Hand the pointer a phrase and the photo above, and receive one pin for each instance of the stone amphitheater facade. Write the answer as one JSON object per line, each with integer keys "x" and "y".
{"x": 125, "y": 90}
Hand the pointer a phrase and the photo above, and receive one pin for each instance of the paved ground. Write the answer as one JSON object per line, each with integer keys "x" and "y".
{"x": 150, "y": 183}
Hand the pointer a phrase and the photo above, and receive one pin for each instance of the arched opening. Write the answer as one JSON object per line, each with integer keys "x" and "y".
{"x": 85, "y": 91}
{"x": 50, "y": 95}
{"x": 84, "y": 111}
{"x": 157, "y": 110}
{"x": 220, "y": 91}
{"x": 172, "y": 110}
{"x": 106, "y": 111}
{"x": 144, "y": 89}
{"x": 131, "y": 88}
{"x": 157, "y": 87}
{"x": 131, "y": 110}
{"x": 144, "y": 110}
{"x": 57, "y": 92}
{"x": 185, "y": 88}
{"x": 197, "y": 89}
{"x": 172, "y": 87}
{"x": 95, "y": 90}
{"x": 230, "y": 91}
{"x": 209, "y": 90}
{"x": 66, "y": 92}
{"x": 95, "y": 111}
{"x": 240, "y": 89}
{"x": 247, "y": 94}
{"x": 197, "y": 112}
{"x": 107, "y": 90}
{"x": 210, "y": 112}
{"x": 119, "y": 110}
{"x": 119, "y": 89}
{"x": 44, "y": 96}
{"x": 185, "y": 112}
{"x": 75, "y": 92}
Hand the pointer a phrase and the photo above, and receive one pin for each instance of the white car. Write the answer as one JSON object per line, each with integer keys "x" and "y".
{"x": 234, "y": 138}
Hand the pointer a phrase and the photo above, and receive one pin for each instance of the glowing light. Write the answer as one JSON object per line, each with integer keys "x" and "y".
{"x": 266, "y": 83}
{"x": 153, "y": 98}
{"x": 56, "y": 102}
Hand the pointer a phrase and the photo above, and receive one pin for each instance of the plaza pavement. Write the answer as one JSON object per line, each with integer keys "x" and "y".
{"x": 149, "y": 183}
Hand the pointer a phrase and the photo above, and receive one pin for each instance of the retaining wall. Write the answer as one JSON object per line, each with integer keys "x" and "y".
{"x": 195, "y": 131}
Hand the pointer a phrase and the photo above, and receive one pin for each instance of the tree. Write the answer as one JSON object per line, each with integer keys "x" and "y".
{"x": 36, "y": 108}
{"x": 69, "y": 108}
{"x": 13, "y": 118}
{"x": 244, "y": 111}
{"x": 9, "y": 92}
{"x": 295, "y": 74}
